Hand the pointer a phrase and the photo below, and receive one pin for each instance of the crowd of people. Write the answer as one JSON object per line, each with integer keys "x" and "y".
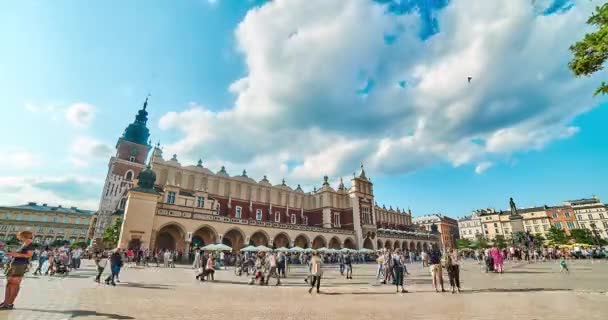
{"x": 262, "y": 267}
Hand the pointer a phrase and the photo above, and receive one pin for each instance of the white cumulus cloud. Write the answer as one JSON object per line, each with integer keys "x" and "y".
{"x": 80, "y": 114}
{"x": 324, "y": 91}
{"x": 84, "y": 150}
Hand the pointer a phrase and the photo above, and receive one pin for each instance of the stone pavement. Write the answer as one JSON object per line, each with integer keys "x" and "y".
{"x": 525, "y": 291}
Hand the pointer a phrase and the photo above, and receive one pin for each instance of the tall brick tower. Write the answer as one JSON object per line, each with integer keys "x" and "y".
{"x": 132, "y": 150}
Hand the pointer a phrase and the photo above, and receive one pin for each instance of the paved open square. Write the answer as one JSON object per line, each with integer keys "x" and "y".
{"x": 525, "y": 291}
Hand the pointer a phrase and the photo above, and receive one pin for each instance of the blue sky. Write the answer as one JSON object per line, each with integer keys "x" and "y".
{"x": 300, "y": 89}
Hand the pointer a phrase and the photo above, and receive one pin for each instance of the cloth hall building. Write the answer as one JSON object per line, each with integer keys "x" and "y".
{"x": 174, "y": 206}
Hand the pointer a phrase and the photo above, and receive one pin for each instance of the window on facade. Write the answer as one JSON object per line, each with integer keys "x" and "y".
{"x": 66, "y": 220}
{"x": 535, "y": 221}
{"x": 583, "y": 226}
{"x": 545, "y": 227}
{"x": 536, "y": 228}
{"x": 200, "y": 202}
{"x": 293, "y": 218}
{"x": 132, "y": 158}
{"x": 258, "y": 214}
{"x": 336, "y": 220}
{"x": 570, "y": 224}
{"x": 590, "y": 216}
{"x": 557, "y": 225}
{"x": 305, "y": 220}
{"x": 74, "y": 231}
{"x": 495, "y": 225}
{"x": 129, "y": 175}
{"x": 83, "y": 231}
{"x": 170, "y": 197}
{"x": 545, "y": 220}
{"x": 41, "y": 230}
{"x": 554, "y": 215}
{"x": 238, "y": 212}
{"x": 469, "y": 231}
{"x": 217, "y": 209}
{"x": 77, "y": 221}
{"x": 85, "y": 221}
{"x": 567, "y": 214}
{"x": 601, "y": 216}
{"x": 277, "y": 217}
{"x": 55, "y": 219}
{"x": 19, "y": 217}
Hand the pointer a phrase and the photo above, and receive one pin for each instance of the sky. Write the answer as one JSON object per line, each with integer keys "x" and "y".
{"x": 299, "y": 89}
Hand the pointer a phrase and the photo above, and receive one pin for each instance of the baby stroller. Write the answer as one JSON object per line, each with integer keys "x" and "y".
{"x": 59, "y": 268}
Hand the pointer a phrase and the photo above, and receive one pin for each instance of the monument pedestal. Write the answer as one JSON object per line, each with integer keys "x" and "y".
{"x": 517, "y": 223}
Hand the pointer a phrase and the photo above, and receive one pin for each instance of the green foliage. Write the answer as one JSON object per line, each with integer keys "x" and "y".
{"x": 581, "y": 236}
{"x": 463, "y": 243}
{"x": 80, "y": 245}
{"x": 480, "y": 243}
{"x": 59, "y": 243}
{"x": 519, "y": 238}
{"x": 500, "y": 241}
{"x": 558, "y": 236}
{"x": 110, "y": 236}
{"x": 12, "y": 242}
{"x": 591, "y": 52}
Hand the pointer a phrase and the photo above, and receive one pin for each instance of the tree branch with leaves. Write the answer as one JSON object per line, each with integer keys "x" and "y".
{"x": 591, "y": 52}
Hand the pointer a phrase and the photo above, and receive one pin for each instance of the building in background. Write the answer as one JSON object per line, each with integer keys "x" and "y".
{"x": 562, "y": 217}
{"x": 448, "y": 227}
{"x": 536, "y": 220}
{"x": 132, "y": 150}
{"x": 470, "y": 227}
{"x": 47, "y": 223}
{"x": 179, "y": 207}
{"x": 591, "y": 214}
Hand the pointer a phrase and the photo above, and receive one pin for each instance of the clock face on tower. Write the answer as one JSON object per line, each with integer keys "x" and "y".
{"x": 133, "y": 151}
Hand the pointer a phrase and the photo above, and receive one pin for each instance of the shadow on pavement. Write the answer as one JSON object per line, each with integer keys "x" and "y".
{"x": 82, "y": 313}
{"x": 515, "y": 290}
{"x": 146, "y": 286}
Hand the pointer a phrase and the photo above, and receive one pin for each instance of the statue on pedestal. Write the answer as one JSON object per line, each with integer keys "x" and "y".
{"x": 513, "y": 207}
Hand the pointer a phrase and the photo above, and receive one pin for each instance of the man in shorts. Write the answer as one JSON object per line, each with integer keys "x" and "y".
{"x": 436, "y": 269}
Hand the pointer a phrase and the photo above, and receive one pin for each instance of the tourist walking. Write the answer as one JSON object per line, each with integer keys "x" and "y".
{"x": 388, "y": 267}
{"x": 425, "y": 259}
{"x": 42, "y": 258}
{"x": 348, "y": 265}
{"x": 100, "y": 262}
{"x": 453, "y": 268}
{"x": 315, "y": 271}
{"x": 498, "y": 259}
{"x": 115, "y": 265}
{"x": 563, "y": 266}
{"x": 17, "y": 268}
{"x": 436, "y": 269}
{"x": 210, "y": 268}
{"x": 380, "y": 262}
{"x": 271, "y": 262}
{"x": 399, "y": 269}
{"x": 282, "y": 264}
